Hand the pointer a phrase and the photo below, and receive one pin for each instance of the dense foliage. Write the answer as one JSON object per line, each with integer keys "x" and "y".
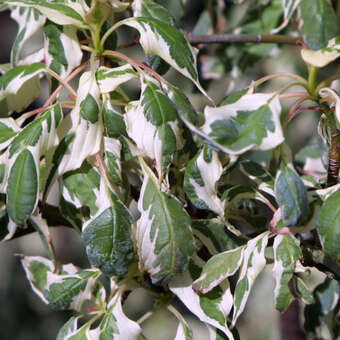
{"x": 183, "y": 204}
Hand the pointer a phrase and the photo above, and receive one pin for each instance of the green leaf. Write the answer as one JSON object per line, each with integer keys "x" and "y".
{"x": 113, "y": 121}
{"x": 254, "y": 262}
{"x": 317, "y": 33}
{"x": 328, "y": 222}
{"x": 164, "y": 238}
{"x": 159, "y": 38}
{"x": 81, "y": 187}
{"x": 183, "y": 330}
{"x": 62, "y": 51}
{"x": 100, "y": 11}
{"x": 29, "y": 21}
{"x": 291, "y": 196}
{"x": 218, "y": 268}
{"x": 36, "y": 269}
{"x": 23, "y": 188}
{"x": 107, "y": 237}
{"x": 252, "y": 122}
{"x": 152, "y": 123}
{"x": 200, "y": 181}
{"x": 109, "y": 79}
{"x": 289, "y": 7}
{"x": 302, "y": 291}
{"x": 286, "y": 252}
{"x": 8, "y": 129}
{"x": 70, "y": 13}
{"x": 69, "y": 328}
{"x": 19, "y": 87}
{"x": 116, "y": 325}
{"x": 70, "y": 291}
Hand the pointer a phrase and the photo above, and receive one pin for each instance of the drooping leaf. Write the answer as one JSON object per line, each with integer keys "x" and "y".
{"x": 107, "y": 235}
{"x": 318, "y": 23}
{"x": 29, "y": 21}
{"x": 201, "y": 176}
{"x": 286, "y": 252}
{"x": 61, "y": 13}
{"x": 252, "y": 122}
{"x": 291, "y": 196}
{"x": 254, "y": 262}
{"x": 328, "y": 222}
{"x": 164, "y": 237}
{"x": 19, "y": 87}
{"x": 218, "y": 268}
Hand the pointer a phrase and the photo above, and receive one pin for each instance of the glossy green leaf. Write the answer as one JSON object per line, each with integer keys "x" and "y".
{"x": 328, "y": 226}
{"x": 62, "y": 48}
{"x": 113, "y": 121}
{"x": 200, "y": 181}
{"x": 29, "y": 21}
{"x": 70, "y": 291}
{"x": 291, "y": 196}
{"x": 19, "y": 87}
{"x": 164, "y": 237}
{"x": 8, "y": 130}
{"x": 252, "y": 122}
{"x": 286, "y": 252}
{"x": 218, "y": 268}
{"x": 317, "y": 33}
{"x": 107, "y": 237}
{"x": 61, "y": 13}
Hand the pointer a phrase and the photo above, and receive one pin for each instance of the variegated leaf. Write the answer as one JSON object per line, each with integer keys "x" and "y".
{"x": 152, "y": 123}
{"x": 109, "y": 79}
{"x": 159, "y": 38}
{"x": 289, "y": 7}
{"x": 68, "y": 329}
{"x": 211, "y": 309}
{"x": 86, "y": 124}
{"x": 200, "y": 181}
{"x": 254, "y": 262}
{"x": 303, "y": 291}
{"x": 116, "y": 325}
{"x": 151, "y": 9}
{"x": 113, "y": 120}
{"x": 107, "y": 235}
{"x": 37, "y": 139}
{"x": 29, "y": 21}
{"x": 218, "y": 268}
{"x": 250, "y": 123}
{"x": 164, "y": 237}
{"x": 19, "y": 87}
{"x": 61, "y": 13}
{"x": 70, "y": 291}
{"x": 183, "y": 330}
{"x": 286, "y": 252}
{"x": 8, "y": 130}
{"x": 62, "y": 51}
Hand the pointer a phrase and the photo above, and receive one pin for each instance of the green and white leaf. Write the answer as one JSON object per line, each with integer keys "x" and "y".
{"x": 68, "y": 329}
{"x": 289, "y": 7}
{"x": 113, "y": 120}
{"x": 86, "y": 124}
{"x": 152, "y": 123}
{"x": 311, "y": 158}
{"x": 107, "y": 235}
{"x": 164, "y": 238}
{"x": 37, "y": 139}
{"x": 159, "y": 38}
{"x": 29, "y": 21}
{"x": 61, "y": 13}
{"x": 8, "y": 130}
{"x": 36, "y": 269}
{"x": 303, "y": 291}
{"x": 116, "y": 325}
{"x": 81, "y": 187}
{"x": 109, "y": 79}
{"x": 327, "y": 92}
{"x": 200, "y": 181}
{"x": 317, "y": 32}
{"x": 324, "y": 56}
{"x": 70, "y": 291}
{"x": 327, "y": 223}
{"x": 62, "y": 52}
{"x": 291, "y": 196}
{"x": 218, "y": 268}
{"x": 254, "y": 262}
{"x": 151, "y": 9}
{"x": 19, "y": 87}
{"x": 183, "y": 330}
{"x": 286, "y": 252}
{"x": 250, "y": 123}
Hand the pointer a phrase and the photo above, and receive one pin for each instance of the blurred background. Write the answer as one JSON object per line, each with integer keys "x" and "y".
{"x": 24, "y": 317}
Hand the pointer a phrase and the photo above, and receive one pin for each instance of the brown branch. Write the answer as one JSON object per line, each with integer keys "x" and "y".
{"x": 196, "y": 39}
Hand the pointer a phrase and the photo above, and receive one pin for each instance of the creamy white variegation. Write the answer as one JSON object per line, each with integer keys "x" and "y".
{"x": 289, "y": 7}
{"x": 88, "y": 136}
{"x": 110, "y": 78}
{"x": 254, "y": 262}
{"x": 210, "y": 173}
{"x": 248, "y": 102}
{"x": 328, "y": 92}
{"x": 11, "y": 124}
